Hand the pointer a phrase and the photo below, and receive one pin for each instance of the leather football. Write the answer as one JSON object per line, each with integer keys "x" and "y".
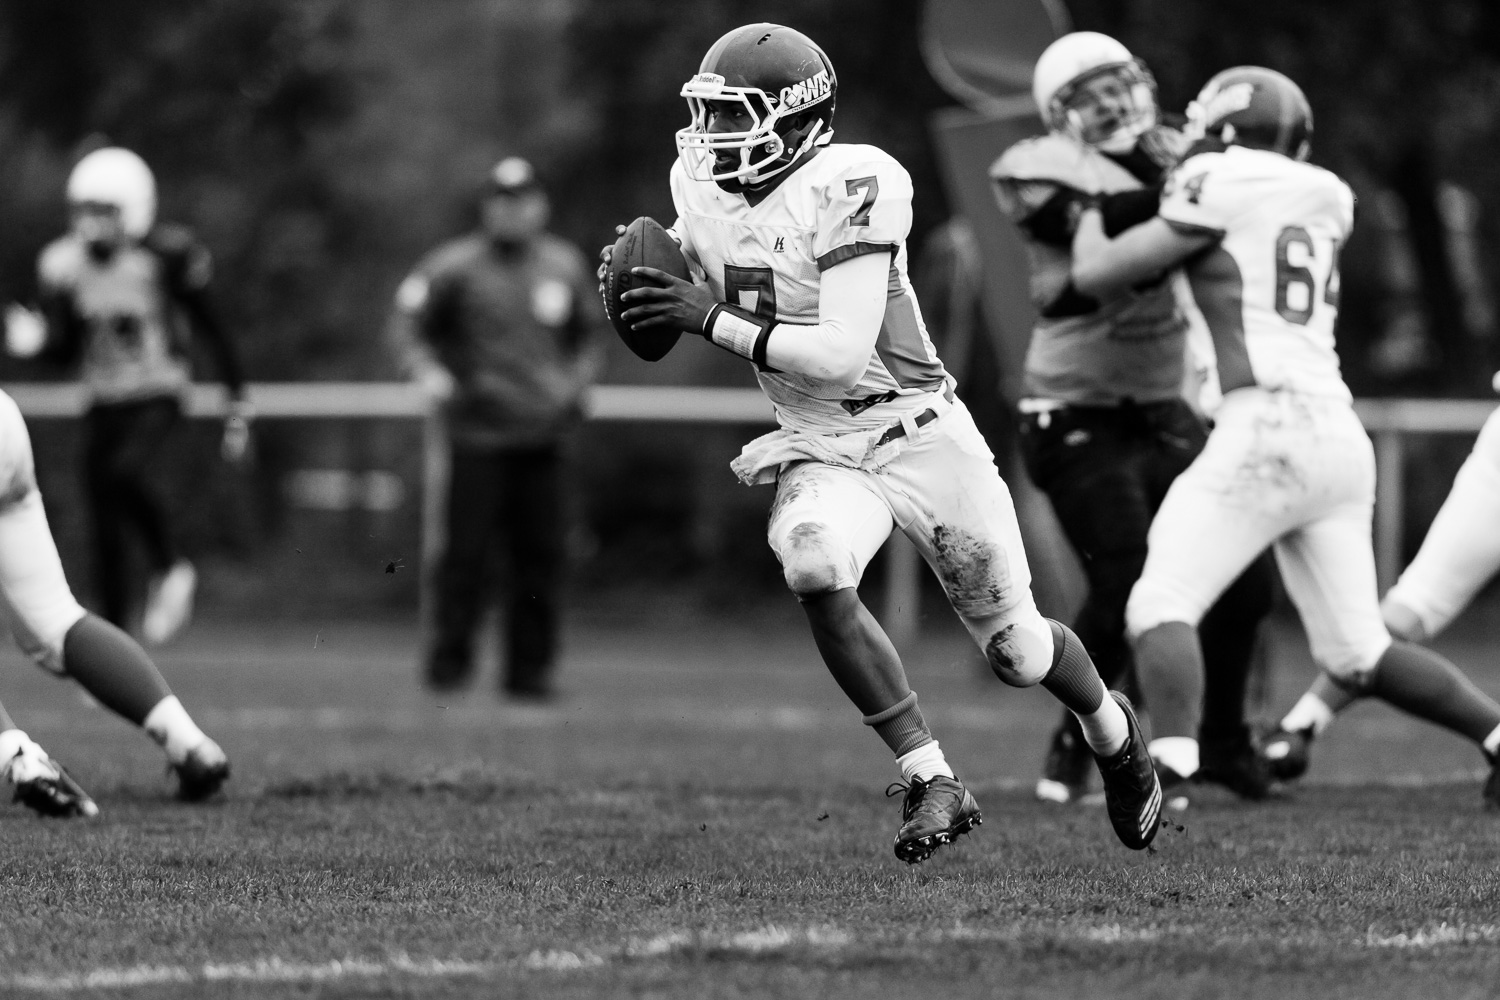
{"x": 643, "y": 244}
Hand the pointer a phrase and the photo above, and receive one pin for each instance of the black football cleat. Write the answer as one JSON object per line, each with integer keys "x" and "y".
{"x": 933, "y": 813}
{"x": 1132, "y": 794}
{"x": 1492, "y": 784}
{"x": 1235, "y": 764}
{"x": 202, "y": 772}
{"x": 1287, "y": 753}
{"x": 1069, "y": 765}
{"x": 51, "y": 791}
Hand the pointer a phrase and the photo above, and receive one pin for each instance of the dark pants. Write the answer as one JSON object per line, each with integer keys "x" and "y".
{"x": 1106, "y": 470}
{"x": 510, "y": 499}
{"x": 123, "y": 444}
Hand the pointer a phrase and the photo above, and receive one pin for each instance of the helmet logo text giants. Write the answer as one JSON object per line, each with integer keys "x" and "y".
{"x": 809, "y": 91}
{"x": 1235, "y": 97}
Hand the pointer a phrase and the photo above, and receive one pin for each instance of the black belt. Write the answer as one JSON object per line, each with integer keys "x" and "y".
{"x": 927, "y": 416}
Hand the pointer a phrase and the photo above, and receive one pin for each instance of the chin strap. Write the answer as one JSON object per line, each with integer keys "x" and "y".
{"x": 816, "y": 136}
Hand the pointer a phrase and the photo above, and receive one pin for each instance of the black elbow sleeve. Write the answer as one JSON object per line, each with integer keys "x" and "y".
{"x": 1124, "y": 209}
{"x": 1057, "y": 220}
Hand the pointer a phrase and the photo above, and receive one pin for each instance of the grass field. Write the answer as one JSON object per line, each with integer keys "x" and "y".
{"x": 701, "y": 815}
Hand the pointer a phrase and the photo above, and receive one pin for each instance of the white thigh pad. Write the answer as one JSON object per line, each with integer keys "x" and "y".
{"x": 35, "y": 602}
{"x": 826, "y": 525}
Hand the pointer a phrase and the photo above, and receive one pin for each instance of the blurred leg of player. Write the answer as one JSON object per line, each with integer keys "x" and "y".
{"x": 1106, "y": 470}
{"x": 1265, "y": 475}
{"x": 942, "y": 490}
{"x": 39, "y": 783}
{"x": 55, "y": 631}
{"x": 1459, "y": 555}
{"x": 533, "y": 526}
{"x": 464, "y": 573}
{"x": 124, "y": 442}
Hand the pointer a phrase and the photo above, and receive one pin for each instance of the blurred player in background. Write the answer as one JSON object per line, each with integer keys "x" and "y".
{"x": 1105, "y": 427}
{"x": 37, "y": 781}
{"x": 50, "y": 627}
{"x": 501, "y": 327}
{"x": 803, "y": 247}
{"x": 121, "y": 294}
{"x": 1459, "y": 555}
{"x": 1258, "y": 231}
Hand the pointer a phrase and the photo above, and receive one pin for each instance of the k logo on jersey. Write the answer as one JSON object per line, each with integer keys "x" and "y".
{"x": 780, "y": 245}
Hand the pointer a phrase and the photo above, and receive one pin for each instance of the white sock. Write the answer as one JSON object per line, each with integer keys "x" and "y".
{"x": 1310, "y": 712}
{"x": 11, "y": 742}
{"x": 1105, "y": 729}
{"x": 1492, "y": 742}
{"x": 170, "y": 725}
{"x": 1180, "y": 753}
{"x": 925, "y": 762}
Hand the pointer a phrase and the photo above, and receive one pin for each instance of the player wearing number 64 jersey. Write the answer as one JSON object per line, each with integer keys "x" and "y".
{"x": 1288, "y": 464}
{"x": 801, "y": 245}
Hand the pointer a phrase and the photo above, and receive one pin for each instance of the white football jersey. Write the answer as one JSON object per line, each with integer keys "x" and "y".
{"x": 768, "y": 258}
{"x": 1269, "y": 289}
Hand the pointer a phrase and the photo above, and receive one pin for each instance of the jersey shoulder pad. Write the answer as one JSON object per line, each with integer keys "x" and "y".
{"x": 188, "y": 262}
{"x": 457, "y": 255}
{"x": 845, "y": 160}
{"x": 1200, "y": 194}
{"x": 863, "y": 199}
{"x": 59, "y": 263}
{"x": 560, "y": 256}
{"x": 171, "y": 239}
{"x": 1051, "y": 157}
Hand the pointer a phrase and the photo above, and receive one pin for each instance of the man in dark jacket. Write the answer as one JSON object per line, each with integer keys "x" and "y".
{"x": 501, "y": 327}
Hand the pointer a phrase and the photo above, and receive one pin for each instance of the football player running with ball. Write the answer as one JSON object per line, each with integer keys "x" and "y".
{"x": 801, "y": 243}
{"x": 50, "y": 627}
{"x": 1288, "y": 463}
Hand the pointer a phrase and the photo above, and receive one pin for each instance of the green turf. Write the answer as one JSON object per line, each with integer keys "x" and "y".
{"x": 702, "y": 816}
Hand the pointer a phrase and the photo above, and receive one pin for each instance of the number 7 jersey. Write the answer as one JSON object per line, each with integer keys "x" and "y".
{"x": 1269, "y": 289}
{"x": 768, "y": 258}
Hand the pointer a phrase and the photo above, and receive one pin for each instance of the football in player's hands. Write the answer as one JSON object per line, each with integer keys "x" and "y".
{"x": 643, "y": 244}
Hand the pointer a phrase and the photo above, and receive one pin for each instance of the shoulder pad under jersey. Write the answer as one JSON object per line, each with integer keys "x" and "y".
{"x": 59, "y": 262}
{"x": 189, "y": 265}
{"x": 1051, "y": 157}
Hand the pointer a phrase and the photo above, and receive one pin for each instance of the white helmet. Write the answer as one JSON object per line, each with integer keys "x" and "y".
{"x": 115, "y": 176}
{"x": 1080, "y": 56}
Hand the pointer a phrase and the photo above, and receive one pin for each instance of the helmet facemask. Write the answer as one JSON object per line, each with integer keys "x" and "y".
{"x": 1137, "y": 96}
{"x": 778, "y": 134}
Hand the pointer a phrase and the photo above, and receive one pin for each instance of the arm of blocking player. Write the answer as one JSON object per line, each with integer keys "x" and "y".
{"x": 1104, "y": 267}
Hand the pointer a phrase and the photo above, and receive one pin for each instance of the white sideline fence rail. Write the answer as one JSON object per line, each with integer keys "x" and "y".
{"x": 1388, "y": 421}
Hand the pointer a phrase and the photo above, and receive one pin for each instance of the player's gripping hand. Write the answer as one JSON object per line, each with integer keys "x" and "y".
{"x": 25, "y": 331}
{"x": 673, "y": 304}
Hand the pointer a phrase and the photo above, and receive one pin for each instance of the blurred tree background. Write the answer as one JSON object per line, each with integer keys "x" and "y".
{"x": 320, "y": 146}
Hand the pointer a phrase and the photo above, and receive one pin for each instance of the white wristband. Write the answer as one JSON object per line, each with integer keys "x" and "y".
{"x": 738, "y": 331}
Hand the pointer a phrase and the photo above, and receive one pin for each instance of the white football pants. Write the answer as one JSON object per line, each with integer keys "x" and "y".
{"x": 943, "y": 491}
{"x": 1292, "y": 471}
{"x": 1462, "y": 548}
{"x": 35, "y": 602}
